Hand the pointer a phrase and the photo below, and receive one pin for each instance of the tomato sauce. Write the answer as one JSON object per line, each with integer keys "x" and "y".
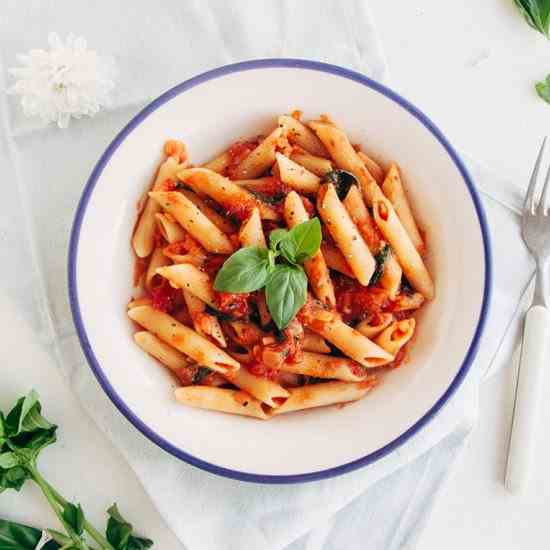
{"x": 235, "y": 305}
{"x": 257, "y": 369}
{"x": 164, "y": 296}
{"x": 238, "y": 152}
{"x": 356, "y": 302}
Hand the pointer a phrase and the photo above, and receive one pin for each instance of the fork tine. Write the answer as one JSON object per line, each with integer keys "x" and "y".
{"x": 543, "y": 205}
{"x": 529, "y": 203}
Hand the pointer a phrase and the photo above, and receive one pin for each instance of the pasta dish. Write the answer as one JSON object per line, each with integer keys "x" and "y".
{"x": 282, "y": 275}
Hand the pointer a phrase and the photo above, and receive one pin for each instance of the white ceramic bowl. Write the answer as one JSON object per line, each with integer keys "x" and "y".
{"x": 208, "y": 112}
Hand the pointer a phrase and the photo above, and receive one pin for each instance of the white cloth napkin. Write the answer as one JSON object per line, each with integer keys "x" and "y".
{"x": 46, "y": 168}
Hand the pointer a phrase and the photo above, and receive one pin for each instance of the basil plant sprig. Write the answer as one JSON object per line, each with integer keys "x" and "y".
{"x": 24, "y": 433}
{"x": 277, "y": 268}
{"x": 537, "y": 14}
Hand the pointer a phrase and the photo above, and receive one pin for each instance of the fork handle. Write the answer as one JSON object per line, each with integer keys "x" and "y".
{"x": 534, "y": 358}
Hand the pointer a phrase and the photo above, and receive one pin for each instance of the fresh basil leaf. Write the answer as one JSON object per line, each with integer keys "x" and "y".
{"x": 244, "y": 271}
{"x": 26, "y": 416}
{"x": 302, "y": 241}
{"x": 119, "y": 533}
{"x": 74, "y": 516}
{"x": 341, "y": 180}
{"x": 537, "y": 14}
{"x": 15, "y": 536}
{"x": 286, "y": 293}
{"x": 8, "y": 460}
{"x": 276, "y": 236}
{"x": 543, "y": 89}
{"x": 13, "y": 478}
{"x": 381, "y": 257}
{"x": 200, "y": 374}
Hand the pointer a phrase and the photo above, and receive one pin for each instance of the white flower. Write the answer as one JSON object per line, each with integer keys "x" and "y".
{"x": 66, "y": 81}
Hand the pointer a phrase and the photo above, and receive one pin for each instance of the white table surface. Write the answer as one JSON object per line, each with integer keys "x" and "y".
{"x": 470, "y": 65}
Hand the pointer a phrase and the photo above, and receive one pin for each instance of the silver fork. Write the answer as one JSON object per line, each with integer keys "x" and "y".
{"x": 534, "y": 357}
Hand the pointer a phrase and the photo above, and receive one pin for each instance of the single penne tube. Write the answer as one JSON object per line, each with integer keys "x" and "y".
{"x": 408, "y": 302}
{"x": 392, "y": 272}
{"x": 335, "y": 260}
{"x": 158, "y": 259}
{"x": 246, "y": 333}
{"x": 395, "y": 336}
{"x": 218, "y": 164}
{"x": 296, "y": 176}
{"x": 139, "y": 302}
{"x": 395, "y": 192}
{"x": 354, "y": 344}
{"x": 345, "y": 233}
{"x": 251, "y": 232}
{"x": 260, "y": 159}
{"x": 321, "y": 395}
{"x": 143, "y": 240}
{"x": 194, "y": 221}
{"x": 191, "y": 279}
{"x": 346, "y": 158}
{"x": 184, "y": 339}
{"x": 373, "y": 327}
{"x": 317, "y": 165}
{"x": 327, "y": 366}
{"x": 224, "y": 191}
{"x": 221, "y": 400}
{"x": 223, "y": 224}
{"x": 409, "y": 259}
{"x": 316, "y": 267}
{"x": 257, "y": 184}
{"x": 288, "y": 379}
{"x": 169, "y": 228}
{"x": 375, "y": 170}
{"x": 167, "y": 355}
{"x": 314, "y": 343}
{"x": 299, "y": 134}
{"x": 204, "y": 323}
{"x": 261, "y": 388}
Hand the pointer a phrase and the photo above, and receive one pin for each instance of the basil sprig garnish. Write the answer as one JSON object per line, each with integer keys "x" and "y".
{"x": 537, "y": 14}
{"x": 278, "y": 269}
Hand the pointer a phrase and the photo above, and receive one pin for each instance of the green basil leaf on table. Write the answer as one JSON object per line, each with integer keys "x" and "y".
{"x": 13, "y": 478}
{"x": 119, "y": 533}
{"x": 15, "y": 536}
{"x": 537, "y": 14}
{"x": 74, "y": 516}
{"x": 245, "y": 271}
{"x": 8, "y": 460}
{"x": 286, "y": 293}
{"x": 26, "y": 416}
{"x": 302, "y": 241}
{"x": 543, "y": 89}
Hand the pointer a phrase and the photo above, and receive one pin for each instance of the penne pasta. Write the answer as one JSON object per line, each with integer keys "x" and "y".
{"x": 331, "y": 327}
{"x": 373, "y": 327}
{"x": 221, "y": 400}
{"x": 395, "y": 336}
{"x": 301, "y": 135}
{"x": 321, "y": 395}
{"x": 169, "y": 228}
{"x": 204, "y": 323}
{"x": 327, "y": 366}
{"x": 223, "y": 224}
{"x": 251, "y": 232}
{"x": 194, "y": 221}
{"x": 314, "y": 343}
{"x": 225, "y": 192}
{"x": 375, "y": 170}
{"x": 346, "y": 158}
{"x": 257, "y": 185}
{"x": 218, "y": 164}
{"x": 392, "y": 272}
{"x": 296, "y": 176}
{"x": 145, "y": 301}
{"x": 317, "y": 165}
{"x": 407, "y": 302}
{"x": 345, "y": 233}
{"x": 246, "y": 333}
{"x": 261, "y": 158}
{"x": 335, "y": 260}
{"x": 167, "y": 355}
{"x": 316, "y": 268}
{"x": 191, "y": 279}
{"x": 261, "y": 388}
{"x": 158, "y": 259}
{"x": 144, "y": 233}
{"x": 183, "y": 339}
{"x": 395, "y": 192}
{"x": 409, "y": 258}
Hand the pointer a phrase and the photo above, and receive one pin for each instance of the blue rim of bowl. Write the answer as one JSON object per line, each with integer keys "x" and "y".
{"x": 73, "y": 253}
